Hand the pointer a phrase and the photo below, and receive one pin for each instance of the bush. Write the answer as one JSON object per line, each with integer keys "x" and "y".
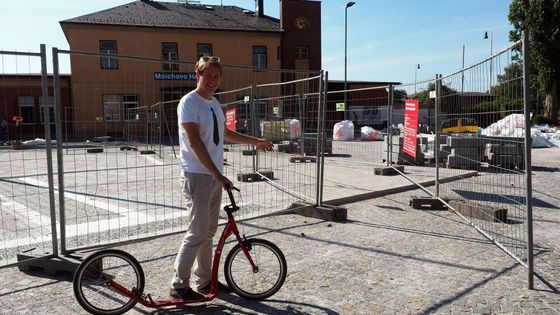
{"x": 541, "y": 120}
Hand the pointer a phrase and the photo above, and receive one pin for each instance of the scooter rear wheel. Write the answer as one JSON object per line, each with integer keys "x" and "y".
{"x": 91, "y": 280}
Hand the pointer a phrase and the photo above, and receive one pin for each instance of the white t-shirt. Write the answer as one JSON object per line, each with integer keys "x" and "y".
{"x": 193, "y": 108}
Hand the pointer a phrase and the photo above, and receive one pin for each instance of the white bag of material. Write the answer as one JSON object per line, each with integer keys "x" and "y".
{"x": 343, "y": 130}
{"x": 509, "y": 126}
{"x": 295, "y": 129}
{"x": 370, "y": 134}
{"x": 539, "y": 140}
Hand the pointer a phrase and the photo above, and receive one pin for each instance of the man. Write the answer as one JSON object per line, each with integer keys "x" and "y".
{"x": 4, "y": 131}
{"x": 201, "y": 136}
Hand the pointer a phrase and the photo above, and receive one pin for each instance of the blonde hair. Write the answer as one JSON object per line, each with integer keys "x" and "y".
{"x": 206, "y": 61}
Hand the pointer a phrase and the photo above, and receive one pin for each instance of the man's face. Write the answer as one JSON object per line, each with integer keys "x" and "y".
{"x": 209, "y": 80}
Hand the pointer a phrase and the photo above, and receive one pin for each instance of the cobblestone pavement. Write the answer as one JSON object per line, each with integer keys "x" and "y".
{"x": 387, "y": 258}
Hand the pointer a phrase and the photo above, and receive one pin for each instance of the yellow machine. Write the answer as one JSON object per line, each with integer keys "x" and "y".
{"x": 459, "y": 125}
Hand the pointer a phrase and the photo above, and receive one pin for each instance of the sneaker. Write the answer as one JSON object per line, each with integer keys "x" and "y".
{"x": 221, "y": 288}
{"x": 186, "y": 294}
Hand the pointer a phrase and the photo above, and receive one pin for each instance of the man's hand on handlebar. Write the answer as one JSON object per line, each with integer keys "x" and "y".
{"x": 226, "y": 183}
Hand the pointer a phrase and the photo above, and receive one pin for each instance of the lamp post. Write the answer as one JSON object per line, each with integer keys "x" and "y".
{"x": 491, "y": 44}
{"x": 463, "y": 71}
{"x": 349, "y": 4}
{"x": 415, "y": 73}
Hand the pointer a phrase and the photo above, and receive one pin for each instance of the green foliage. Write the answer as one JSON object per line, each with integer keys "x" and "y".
{"x": 399, "y": 94}
{"x": 541, "y": 19}
{"x": 541, "y": 120}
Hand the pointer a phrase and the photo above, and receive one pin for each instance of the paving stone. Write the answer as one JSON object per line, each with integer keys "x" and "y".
{"x": 379, "y": 261}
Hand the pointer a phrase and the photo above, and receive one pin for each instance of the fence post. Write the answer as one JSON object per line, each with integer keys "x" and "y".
{"x": 321, "y": 138}
{"x": 436, "y": 140}
{"x": 528, "y": 144}
{"x": 60, "y": 162}
{"x": 47, "y": 122}
{"x": 390, "y": 124}
{"x": 301, "y": 113}
{"x": 253, "y": 105}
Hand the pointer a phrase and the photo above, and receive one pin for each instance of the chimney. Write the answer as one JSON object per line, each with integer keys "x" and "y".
{"x": 259, "y": 7}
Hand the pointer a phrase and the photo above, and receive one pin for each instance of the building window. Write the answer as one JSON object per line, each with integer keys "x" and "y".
{"x": 27, "y": 108}
{"x": 130, "y": 107}
{"x": 120, "y": 107}
{"x": 108, "y": 50}
{"x": 203, "y": 50}
{"x": 169, "y": 54}
{"x": 50, "y": 101}
{"x": 301, "y": 52}
{"x": 259, "y": 57}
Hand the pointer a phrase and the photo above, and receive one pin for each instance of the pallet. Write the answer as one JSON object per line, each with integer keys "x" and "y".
{"x": 303, "y": 159}
{"x": 255, "y": 177}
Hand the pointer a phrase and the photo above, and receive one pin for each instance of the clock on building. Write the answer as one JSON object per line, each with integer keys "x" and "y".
{"x": 301, "y": 22}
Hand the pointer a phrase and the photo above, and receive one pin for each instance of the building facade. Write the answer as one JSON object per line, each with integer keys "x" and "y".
{"x": 21, "y": 104}
{"x": 129, "y": 59}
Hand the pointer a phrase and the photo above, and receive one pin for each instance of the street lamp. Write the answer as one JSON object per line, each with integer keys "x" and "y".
{"x": 415, "y": 73}
{"x": 491, "y": 44}
{"x": 463, "y": 70}
{"x": 349, "y": 4}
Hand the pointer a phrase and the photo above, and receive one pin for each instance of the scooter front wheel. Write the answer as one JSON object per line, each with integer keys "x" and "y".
{"x": 266, "y": 280}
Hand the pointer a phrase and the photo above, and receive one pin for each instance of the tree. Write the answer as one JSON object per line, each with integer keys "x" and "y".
{"x": 541, "y": 19}
{"x": 399, "y": 94}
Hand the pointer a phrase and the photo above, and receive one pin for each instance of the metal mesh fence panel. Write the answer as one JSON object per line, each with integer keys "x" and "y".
{"x": 121, "y": 167}
{"x": 358, "y": 129}
{"x": 418, "y": 166}
{"x": 27, "y": 209}
{"x": 288, "y": 114}
{"x": 356, "y": 125}
{"x": 482, "y": 128}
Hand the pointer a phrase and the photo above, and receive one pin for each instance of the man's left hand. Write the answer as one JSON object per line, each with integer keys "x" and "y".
{"x": 265, "y": 145}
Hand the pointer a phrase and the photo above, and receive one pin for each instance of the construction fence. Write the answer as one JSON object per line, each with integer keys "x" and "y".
{"x": 114, "y": 173}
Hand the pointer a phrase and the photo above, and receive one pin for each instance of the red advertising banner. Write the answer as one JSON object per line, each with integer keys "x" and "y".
{"x": 410, "y": 127}
{"x": 230, "y": 119}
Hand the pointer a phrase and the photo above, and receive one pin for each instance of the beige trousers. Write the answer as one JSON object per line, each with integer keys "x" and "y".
{"x": 203, "y": 195}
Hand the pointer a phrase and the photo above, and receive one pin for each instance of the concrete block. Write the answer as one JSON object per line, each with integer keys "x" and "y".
{"x": 463, "y": 141}
{"x": 40, "y": 260}
{"x": 128, "y": 148}
{"x": 249, "y": 152}
{"x": 472, "y": 152}
{"x": 505, "y": 149}
{"x": 388, "y": 170}
{"x": 328, "y": 213}
{"x": 255, "y": 177}
{"x": 455, "y": 161}
{"x": 427, "y": 203}
{"x": 94, "y": 150}
{"x": 482, "y": 212}
{"x": 303, "y": 159}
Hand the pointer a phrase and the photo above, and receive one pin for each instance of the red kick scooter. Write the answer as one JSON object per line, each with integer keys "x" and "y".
{"x": 111, "y": 281}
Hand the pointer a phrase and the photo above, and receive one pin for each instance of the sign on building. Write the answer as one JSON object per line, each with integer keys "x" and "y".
{"x": 178, "y": 76}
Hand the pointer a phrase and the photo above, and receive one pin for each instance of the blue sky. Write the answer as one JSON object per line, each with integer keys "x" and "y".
{"x": 386, "y": 39}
